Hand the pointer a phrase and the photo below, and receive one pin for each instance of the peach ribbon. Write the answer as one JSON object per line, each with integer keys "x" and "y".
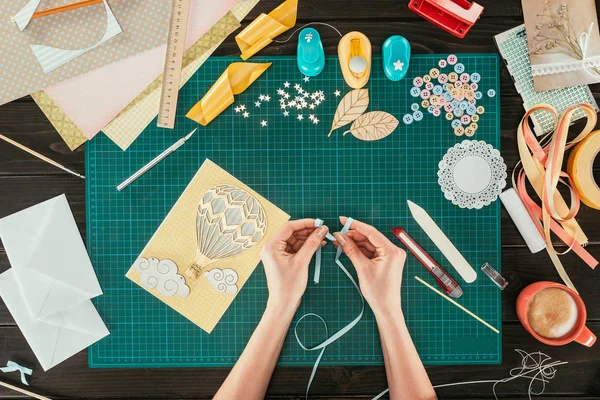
{"x": 236, "y": 78}
{"x": 541, "y": 166}
{"x": 265, "y": 27}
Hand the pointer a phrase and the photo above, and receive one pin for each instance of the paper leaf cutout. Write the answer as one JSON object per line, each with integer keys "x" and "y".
{"x": 373, "y": 125}
{"x": 229, "y": 222}
{"x": 224, "y": 281}
{"x": 353, "y": 104}
{"x": 161, "y": 275}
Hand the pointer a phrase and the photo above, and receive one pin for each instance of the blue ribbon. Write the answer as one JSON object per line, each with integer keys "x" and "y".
{"x": 345, "y": 329}
{"x": 12, "y": 366}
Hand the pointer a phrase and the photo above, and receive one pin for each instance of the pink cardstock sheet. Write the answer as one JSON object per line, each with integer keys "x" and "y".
{"x": 93, "y": 99}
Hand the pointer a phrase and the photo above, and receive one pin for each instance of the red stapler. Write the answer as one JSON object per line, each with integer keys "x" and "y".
{"x": 454, "y": 16}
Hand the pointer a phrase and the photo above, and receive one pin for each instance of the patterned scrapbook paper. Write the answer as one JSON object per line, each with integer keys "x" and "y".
{"x": 72, "y": 136}
{"x": 175, "y": 240}
{"x": 132, "y": 121}
{"x": 144, "y": 24}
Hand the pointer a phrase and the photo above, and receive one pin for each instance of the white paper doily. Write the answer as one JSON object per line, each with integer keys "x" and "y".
{"x": 472, "y": 174}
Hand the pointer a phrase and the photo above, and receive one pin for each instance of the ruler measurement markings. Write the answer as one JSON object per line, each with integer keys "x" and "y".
{"x": 173, "y": 63}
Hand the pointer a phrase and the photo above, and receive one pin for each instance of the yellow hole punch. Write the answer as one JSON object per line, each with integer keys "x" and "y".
{"x": 354, "y": 52}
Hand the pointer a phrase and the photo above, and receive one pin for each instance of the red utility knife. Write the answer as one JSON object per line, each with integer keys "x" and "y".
{"x": 444, "y": 280}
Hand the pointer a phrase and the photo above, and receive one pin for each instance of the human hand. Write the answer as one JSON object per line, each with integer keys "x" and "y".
{"x": 286, "y": 258}
{"x": 379, "y": 265}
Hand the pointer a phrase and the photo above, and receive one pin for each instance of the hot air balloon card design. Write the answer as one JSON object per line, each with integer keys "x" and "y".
{"x": 208, "y": 246}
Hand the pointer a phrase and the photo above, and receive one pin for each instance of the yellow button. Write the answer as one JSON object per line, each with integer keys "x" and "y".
{"x": 425, "y": 104}
{"x": 449, "y": 116}
{"x": 480, "y": 110}
{"x": 434, "y": 73}
{"x": 427, "y": 78}
{"x": 452, "y": 76}
{"x": 459, "y": 131}
{"x": 475, "y": 118}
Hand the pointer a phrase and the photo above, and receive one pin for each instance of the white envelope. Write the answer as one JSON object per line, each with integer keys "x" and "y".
{"x": 49, "y": 287}
{"x": 59, "y": 336}
{"x": 50, "y": 262}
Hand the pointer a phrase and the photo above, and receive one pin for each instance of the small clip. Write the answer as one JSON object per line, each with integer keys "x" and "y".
{"x": 494, "y": 275}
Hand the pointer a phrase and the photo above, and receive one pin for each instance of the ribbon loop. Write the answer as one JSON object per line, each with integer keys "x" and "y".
{"x": 12, "y": 366}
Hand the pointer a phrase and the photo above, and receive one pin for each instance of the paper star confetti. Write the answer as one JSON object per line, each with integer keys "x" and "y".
{"x": 246, "y": 114}
{"x": 300, "y": 117}
{"x": 280, "y": 92}
{"x": 286, "y": 84}
{"x": 297, "y": 86}
{"x": 306, "y": 79}
{"x": 315, "y": 120}
{"x": 237, "y": 109}
{"x": 398, "y": 65}
{"x": 267, "y": 98}
{"x": 261, "y": 97}
{"x": 311, "y": 106}
{"x": 337, "y": 93}
{"x": 311, "y": 117}
{"x": 286, "y": 113}
{"x": 242, "y": 107}
{"x": 263, "y": 123}
{"x": 257, "y": 104}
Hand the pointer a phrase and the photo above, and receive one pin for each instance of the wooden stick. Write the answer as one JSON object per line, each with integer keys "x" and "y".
{"x": 456, "y": 304}
{"x": 40, "y": 156}
{"x": 66, "y": 7}
{"x": 23, "y": 391}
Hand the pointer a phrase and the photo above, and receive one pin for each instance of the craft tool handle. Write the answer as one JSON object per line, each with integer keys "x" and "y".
{"x": 145, "y": 168}
{"x": 425, "y": 259}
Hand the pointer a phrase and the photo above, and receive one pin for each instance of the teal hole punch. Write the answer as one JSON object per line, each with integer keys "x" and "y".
{"x": 396, "y": 57}
{"x": 311, "y": 56}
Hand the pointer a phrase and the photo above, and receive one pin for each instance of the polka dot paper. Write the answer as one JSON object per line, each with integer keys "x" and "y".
{"x": 144, "y": 24}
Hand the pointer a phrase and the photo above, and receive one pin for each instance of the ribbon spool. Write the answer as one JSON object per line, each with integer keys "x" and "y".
{"x": 580, "y": 168}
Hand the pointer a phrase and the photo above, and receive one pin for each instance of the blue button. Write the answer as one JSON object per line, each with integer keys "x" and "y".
{"x": 414, "y": 106}
{"x": 418, "y": 115}
{"x": 459, "y": 68}
{"x": 455, "y": 123}
{"x": 415, "y": 92}
{"x": 408, "y": 119}
{"x": 478, "y": 95}
{"x": 437, "y": 90}
{"x": 475, "y": 77}
{"x": 471, "y": 110}
{"x": 491, "y": 93}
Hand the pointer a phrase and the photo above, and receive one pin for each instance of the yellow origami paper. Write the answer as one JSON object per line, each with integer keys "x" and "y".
{"x": 265, "y": 27}
{"x": 236, "y": 78}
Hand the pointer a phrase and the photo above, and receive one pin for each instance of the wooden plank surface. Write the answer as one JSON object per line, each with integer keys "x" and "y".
{"x": 25, "y": 181}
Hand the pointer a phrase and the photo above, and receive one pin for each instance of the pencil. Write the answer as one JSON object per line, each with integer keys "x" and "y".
{"x": 66, "y": 7}
{"x": 23, "y": 391}
{"x": 457, "y": 304}
{"x": 40, "y": 156}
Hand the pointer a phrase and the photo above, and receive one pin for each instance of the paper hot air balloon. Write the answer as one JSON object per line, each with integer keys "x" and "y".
{"x": 229, "y": 222}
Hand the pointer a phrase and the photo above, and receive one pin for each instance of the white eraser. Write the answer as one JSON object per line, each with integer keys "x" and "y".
{"x": 513, "y": 204}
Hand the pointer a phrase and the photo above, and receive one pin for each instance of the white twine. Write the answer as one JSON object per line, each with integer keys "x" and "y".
{"x": 304, "y": 26}
{"x": 537, "y": 367}
{"x": 584, "y": 43}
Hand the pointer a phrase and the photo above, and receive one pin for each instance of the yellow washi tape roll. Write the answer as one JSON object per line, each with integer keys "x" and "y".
{"x": 580, "y": 168}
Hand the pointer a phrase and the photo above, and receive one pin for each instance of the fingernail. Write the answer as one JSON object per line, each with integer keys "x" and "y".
{"x": 322, "y": 231}
{"x": 340, "y": 237}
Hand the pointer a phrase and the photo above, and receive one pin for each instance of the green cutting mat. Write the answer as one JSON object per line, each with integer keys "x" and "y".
{"x": 297, "y": 167}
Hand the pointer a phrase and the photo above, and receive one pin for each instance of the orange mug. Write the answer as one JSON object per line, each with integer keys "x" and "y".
{"x": 580, "y": 333}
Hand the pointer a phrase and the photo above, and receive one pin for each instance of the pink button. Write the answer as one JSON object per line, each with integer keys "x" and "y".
{"x": 448, "y": 107}
{"x": 452, "y": 59}
{"x": 425, "y": 94}
{"x": 458, "y": 84}
{"x": 443, "y": 78}
{"x": 429, "y": 85}
{"x": 418, "y": 81}
{"x": 465, "y": 119}
{"x": 436, "y": 112}
{"x": 472, "y": 102}
{"x": 474, "y": 86}
{"x": 464, "y": 77}
{"x": 442, "y": 63}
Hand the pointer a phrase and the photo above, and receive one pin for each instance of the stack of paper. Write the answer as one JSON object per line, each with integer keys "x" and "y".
{"x": 49, "y": 287}
{"x": 121, "y": 99}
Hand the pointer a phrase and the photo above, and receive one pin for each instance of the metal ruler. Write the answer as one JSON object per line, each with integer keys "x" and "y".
{"x": 173, "y": 62}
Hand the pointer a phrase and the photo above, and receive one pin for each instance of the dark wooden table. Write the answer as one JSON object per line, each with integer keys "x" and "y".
{"x": 25, "y": 181}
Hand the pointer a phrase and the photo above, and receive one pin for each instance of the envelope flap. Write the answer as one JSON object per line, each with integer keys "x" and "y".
{"x": 60, "y": 252}
{"x": 20, "y": 232}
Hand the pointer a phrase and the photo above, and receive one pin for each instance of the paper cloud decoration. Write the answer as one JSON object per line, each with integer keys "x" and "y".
{"x": 161, "y": 275}
{"x": 223, "y": 280}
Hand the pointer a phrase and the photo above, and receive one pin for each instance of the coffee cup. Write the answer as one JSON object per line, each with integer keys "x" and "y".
{"x": 578, "y": 333}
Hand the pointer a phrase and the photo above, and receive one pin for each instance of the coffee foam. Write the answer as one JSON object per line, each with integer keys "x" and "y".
{"x": 552, "y": 313}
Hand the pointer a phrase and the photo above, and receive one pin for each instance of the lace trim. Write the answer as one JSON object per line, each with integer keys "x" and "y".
{"x": 559, "y": 68}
